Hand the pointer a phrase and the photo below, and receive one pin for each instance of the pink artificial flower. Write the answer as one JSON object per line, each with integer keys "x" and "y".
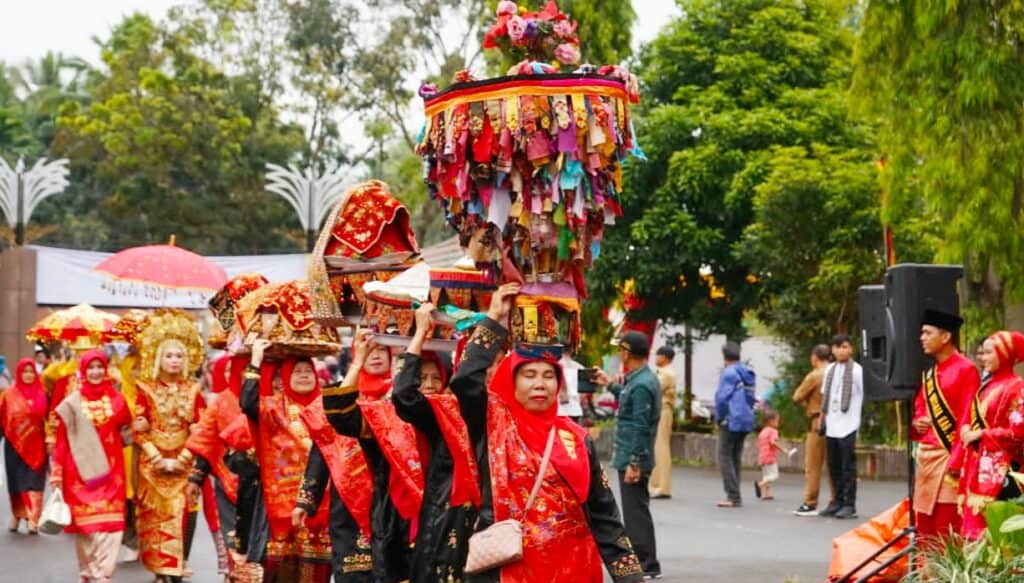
{"x": 516, "y": 28}
{"x": 567, "y": 53}
{"x": 507, "y": 8}
{"x": 564, "y": 28}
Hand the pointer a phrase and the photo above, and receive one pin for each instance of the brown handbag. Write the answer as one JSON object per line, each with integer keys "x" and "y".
{"x": 502, "y": 542}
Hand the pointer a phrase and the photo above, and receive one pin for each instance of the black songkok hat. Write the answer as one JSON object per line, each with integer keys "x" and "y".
{"x": 942, "y": 320}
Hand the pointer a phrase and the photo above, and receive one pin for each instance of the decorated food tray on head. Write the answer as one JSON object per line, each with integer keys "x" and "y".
{"x": 128, "y": 327}
{"x": 366, "y": 238}
{"x": 536, "y": 157}
{"x": 282, "y": 313}
{"x": 223, "y": 306}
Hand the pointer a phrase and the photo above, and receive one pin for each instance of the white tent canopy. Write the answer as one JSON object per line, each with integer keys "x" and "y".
{"x": 65, "y": 277}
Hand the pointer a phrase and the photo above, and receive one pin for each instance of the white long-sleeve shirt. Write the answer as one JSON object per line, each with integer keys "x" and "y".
{"x": 837, "y": 423}
{"x": 572, "y": 407}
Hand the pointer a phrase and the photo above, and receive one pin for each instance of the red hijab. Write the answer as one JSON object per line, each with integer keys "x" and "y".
{"x": 94, "y": 391}
{"x": 287, "y": 368}
{"x": 1009, "y": 349}
{"x": 219, "y": 374}
{"x": 23, "y": 413}
{"x": 33, "y": 392}
{"x": 375, "y": 386}
{"x": 443, "y": 368}
{"x": 533, "y": 428}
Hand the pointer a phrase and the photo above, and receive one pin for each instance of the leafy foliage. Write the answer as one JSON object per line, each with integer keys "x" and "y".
{"x": 941, "y": 80}
{"x": 167, "y": 137}
{"x": 734, "y": 94}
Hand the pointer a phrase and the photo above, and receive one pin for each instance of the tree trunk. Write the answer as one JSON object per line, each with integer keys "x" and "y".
{"x": 687, "y": 373}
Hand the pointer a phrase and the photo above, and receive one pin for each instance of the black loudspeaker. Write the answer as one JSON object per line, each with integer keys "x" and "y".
{"x": 874, "y": 346}
{"x": 910, "y": 289}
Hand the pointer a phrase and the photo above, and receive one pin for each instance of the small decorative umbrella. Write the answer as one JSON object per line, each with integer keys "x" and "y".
{"x": 159, "y": 268}
{"x": 73, "y": 323}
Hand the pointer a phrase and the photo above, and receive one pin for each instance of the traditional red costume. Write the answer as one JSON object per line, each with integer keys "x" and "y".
{"x": 97, "y": 503}
{"x": 205, "y": 440}
{"x": 282, "y": 444}
{"x": 998, "y": 412}
{"x": 23, "y": 412}
{"x": 944, "y": 399}
{"x": 89, "y": 462}
{"x": 573, "y": 527}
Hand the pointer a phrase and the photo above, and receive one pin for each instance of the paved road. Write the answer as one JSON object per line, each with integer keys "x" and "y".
{"x": 697, "y": 542}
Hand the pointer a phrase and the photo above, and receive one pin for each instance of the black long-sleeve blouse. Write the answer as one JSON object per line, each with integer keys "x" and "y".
{"x": 439, "y": 554}
{"x": 253, "y": 526}
{"x": 389, "y": 541}
{"x": 352, "y": 561}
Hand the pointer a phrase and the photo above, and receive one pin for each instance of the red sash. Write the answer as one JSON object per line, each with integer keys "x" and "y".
{"x": 397, "y": 439}
{"x": 238, "y": 434}
{"x": 24, "y": 428}
{"x": 347, "y": 464}
{"x": 205, "y": 440}
{"x": 465, "y": 474}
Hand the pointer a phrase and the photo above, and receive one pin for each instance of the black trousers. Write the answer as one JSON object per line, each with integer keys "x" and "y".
{"x": 636, "y": 517}
{"x": 842, "y": 466}
{"x": 131, "y": 532}
{"x": 730, "y": 462}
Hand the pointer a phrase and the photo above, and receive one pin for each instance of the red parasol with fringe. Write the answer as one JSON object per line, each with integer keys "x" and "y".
{"x": 164, "y": 266}
{"x": 73, "y": 323}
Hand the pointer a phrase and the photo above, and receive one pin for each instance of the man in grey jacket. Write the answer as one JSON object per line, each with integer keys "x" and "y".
{"x": 639, "y": 411}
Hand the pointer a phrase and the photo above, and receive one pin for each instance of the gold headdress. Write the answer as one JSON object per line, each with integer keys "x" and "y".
{"x": 168, "y": 324}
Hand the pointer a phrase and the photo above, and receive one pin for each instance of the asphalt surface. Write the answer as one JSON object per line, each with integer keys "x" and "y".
{"x": 697, "y": 542}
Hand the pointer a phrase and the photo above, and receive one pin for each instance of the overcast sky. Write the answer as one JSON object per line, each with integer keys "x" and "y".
{"x": 29, "y": 28}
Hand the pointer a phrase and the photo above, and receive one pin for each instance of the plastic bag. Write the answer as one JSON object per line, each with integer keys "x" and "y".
{"x": 56, "y": 514}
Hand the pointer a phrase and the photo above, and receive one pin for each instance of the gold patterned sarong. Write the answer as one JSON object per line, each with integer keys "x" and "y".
{"x": 933, "y": 484}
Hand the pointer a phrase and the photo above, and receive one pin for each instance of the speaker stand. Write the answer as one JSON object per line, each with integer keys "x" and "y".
{"x": 909, "y": 533}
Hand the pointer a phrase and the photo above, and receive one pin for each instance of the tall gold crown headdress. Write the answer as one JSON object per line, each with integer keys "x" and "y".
{"x": 169, "y": 324}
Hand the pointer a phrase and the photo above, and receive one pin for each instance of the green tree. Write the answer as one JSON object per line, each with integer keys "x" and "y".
{"x": 943, "y": 82}
{"x": 724, "y": 87}
{"x": 30, "y": 97}
{"x": 169, "y": 140}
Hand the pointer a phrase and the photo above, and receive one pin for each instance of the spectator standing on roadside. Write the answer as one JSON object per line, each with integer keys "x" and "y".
{"x": 808, "y": 395}
{"x": 639, "y": 405}
{"x": 841, "y": 407}
{"x": 734, "y": 413}
{"x": 661, "y": 477}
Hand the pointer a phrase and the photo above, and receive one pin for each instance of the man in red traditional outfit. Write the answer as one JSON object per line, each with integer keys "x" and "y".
{"x": 942, "y": 403}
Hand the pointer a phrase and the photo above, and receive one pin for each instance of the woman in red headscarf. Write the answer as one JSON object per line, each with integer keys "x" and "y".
{"x": 451, "y": 492}
{"x": 360, "y": 408}
{"x": 88, "y": 466}
{"x": 23, "y": 410}
{"x": 208, "y": 457}
{"x": 992, "y": 443}
{"x": 292, "y": 554}
{"x": 337, "y": 463}
{"x": 573, "y": 529}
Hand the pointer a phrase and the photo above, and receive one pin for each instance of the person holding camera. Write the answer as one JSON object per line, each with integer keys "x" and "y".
{"x": 639, "y": 411}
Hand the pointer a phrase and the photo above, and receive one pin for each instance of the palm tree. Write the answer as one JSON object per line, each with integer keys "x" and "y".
{"x": 34, "y": 95}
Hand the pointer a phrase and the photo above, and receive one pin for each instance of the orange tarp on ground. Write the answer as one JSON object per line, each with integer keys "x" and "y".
{"x": 850, "y": 548}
